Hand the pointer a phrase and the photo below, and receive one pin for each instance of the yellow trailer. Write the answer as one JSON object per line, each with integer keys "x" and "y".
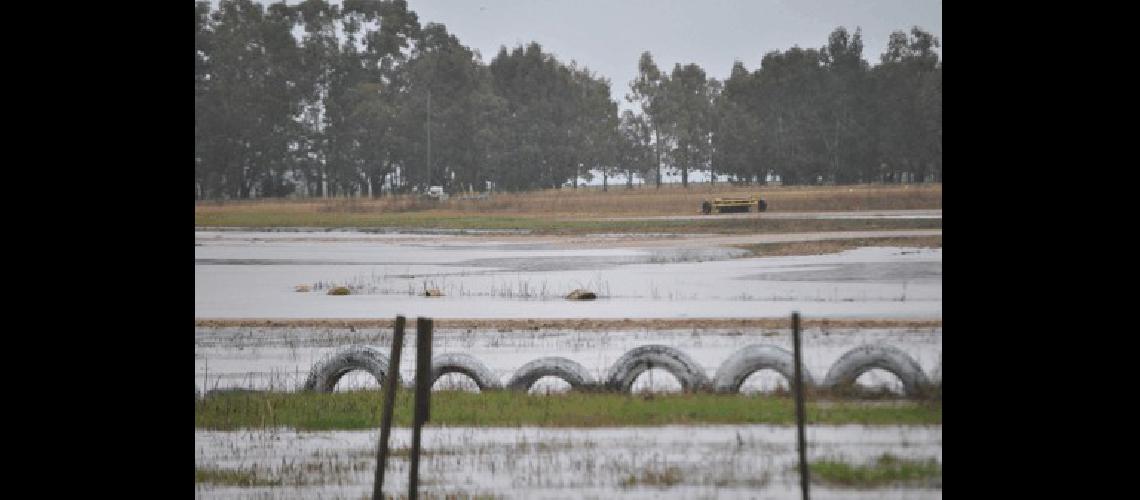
{"x": 734, "y": 204}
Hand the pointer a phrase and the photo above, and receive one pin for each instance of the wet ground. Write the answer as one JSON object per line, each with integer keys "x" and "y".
{"x": 255, "y": 274}
{"x": 243, "y": 274}
{"x": 733, "y": 461}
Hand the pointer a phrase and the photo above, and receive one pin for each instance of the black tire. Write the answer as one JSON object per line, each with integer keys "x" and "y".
{"x": 736, "y": 369}
{"x": 328, "y": 371}
{"x": 639, "y": 359}
{"x": 466, "y": 364}
{"x": 572, "y": 372}
{"x": 866, "y": 357}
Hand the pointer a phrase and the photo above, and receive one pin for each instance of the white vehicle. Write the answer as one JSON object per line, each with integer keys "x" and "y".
{"x": 437, "y": 193}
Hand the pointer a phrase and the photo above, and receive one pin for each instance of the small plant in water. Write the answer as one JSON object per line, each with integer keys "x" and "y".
{"x": 340, "y": 290}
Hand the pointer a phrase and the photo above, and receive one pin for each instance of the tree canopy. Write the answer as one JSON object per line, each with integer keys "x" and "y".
{"x": 316, "y": 99}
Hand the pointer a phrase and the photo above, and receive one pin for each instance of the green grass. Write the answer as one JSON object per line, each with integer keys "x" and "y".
{"x": 538, "y": 225}
{"x": 361, "y": 410}
{"x": 232, "y": 477}
{"x": 885, "y": 470}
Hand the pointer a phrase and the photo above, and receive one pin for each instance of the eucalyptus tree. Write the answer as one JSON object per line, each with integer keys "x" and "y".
{"x": 908, "y": 99}
{"x": 596, "y": 123}
{"x": 245, "y": 99}
{"x": 320, "y": 51}
{"x": 790, "y": 90}
{"x": 389, "y": 30}
{"x": 689, "y": 96}
{"x": 648, "y": 90}
{"x": 204, "y": 176}
{"x": 635, "y": 146}
{"x": 736, "y": 129}
{"x": 845, "y": 101}
{"x": 450, "y": 74}
{"x": 555, "y": 118}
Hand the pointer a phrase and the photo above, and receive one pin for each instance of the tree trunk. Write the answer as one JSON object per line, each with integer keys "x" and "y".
{"x": 376, "y": 185}
{"x": 657, "y": 148}
{"x": 685, "y": 168}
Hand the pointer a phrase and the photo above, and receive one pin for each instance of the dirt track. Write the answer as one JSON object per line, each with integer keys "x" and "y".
{"x": 705, "y": 240}
{"x": 584, "y": 241}
{"x": 862, "y": 214}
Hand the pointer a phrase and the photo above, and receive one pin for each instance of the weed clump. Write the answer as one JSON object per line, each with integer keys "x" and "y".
{"x": 233, "y": 477}
{"x": 885, "y": 469}
{"x": 340, "y": 290}
{"x": 652, "y": 477}
{"x": 581, "y": 294}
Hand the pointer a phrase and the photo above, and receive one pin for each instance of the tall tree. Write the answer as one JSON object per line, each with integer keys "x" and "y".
{"x": 245, "y": 100}
{"x": 907, "y": 93}
{"x": 844, "y": 115}
{"x": 689, "y": 95}
{"x": 635, "y": 149}
{"x": 791, "y": 86}
{"x": 648, "y": 90}
{"x": 736, "y": 129}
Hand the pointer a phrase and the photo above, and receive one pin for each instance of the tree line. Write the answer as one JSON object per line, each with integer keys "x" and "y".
{"x": 360, "y": 99}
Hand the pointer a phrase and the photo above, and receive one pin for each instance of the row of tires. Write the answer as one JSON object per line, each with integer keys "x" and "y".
{"x": 620, "y": 378}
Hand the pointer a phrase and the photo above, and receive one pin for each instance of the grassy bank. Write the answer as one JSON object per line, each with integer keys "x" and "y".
{"x": 834, "y": 246}
{"x": 361, "y": 410}
{"x": 886, "y": 469}
{"x": 546, "y": 225}
{"x": 233, "y": 477}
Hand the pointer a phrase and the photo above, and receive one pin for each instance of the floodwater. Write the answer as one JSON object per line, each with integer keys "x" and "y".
{"x": 729, "y": 461}
{"x": 279, "y": 358}
{"x": 242, "y": 274}
{"x": 255, "y": 274}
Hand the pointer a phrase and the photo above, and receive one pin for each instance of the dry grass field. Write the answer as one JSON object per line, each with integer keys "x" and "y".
{"x": 589, "y": 203}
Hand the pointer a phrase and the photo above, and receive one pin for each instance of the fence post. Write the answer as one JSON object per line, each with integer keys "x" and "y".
{"x": 390, "y": 385}
{"x": 801, "y": 441}
{"x": 423, "y": 401}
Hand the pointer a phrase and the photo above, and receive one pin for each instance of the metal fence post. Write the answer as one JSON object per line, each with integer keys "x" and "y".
{"x": 390, "y": 385}
{"x": 801, "y": 441}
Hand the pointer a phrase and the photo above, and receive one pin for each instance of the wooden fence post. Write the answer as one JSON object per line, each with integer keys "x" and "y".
{"x": 423, "y": 399}
{"x": 390, "y": 385}
{"x": 801, "y": 441}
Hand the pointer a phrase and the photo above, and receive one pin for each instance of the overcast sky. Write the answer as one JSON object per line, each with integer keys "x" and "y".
{"x": 608, "y": 36}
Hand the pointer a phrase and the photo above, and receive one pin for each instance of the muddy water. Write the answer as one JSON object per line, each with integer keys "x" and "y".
{"x": 736, "y": 461}
{"x": 243, "y": 274}
{"x": 280, "y": 358}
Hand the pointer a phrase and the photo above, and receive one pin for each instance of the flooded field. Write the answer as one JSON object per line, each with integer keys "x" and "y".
{"x": 738, "y": 461}
{"x": 492, "y": 278}
{"x": 280, "y": 358}
{"x": 256, "y": 274}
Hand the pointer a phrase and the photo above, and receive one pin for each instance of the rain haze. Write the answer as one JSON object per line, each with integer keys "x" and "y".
{"x": 480, "y": 275}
